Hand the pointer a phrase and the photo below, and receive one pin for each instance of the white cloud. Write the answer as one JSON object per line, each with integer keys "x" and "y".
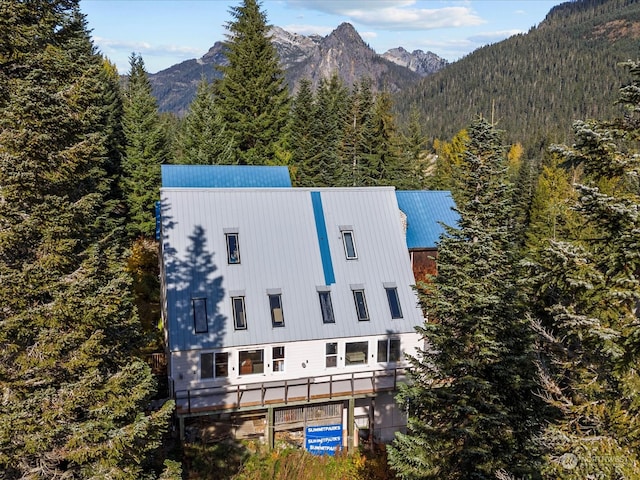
{"x": 368, "y": 35}
{"x": 492, "y": 37}
{"x": 395, "y": 15}
{"x": 307, "y": 30}
{"x": 338, "y": 7}
{"x": 417, "y": 19}
{"x": 450, "y": 49}
{"x": 145, "y": 48}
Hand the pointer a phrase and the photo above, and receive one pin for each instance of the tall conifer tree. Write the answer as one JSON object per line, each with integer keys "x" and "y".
{"x": 326, "y": 168}
{"x": 146, "y": 149}
{"x": 73, "y": 395}
{"x": 203, "y": 138}
{"x": 251, "y": 95}
{"x": 355, "y": 148}
{"x": 303, "y": 144}
{"x": 588, "y": 294}
{"x": 388, "y": 166}
{"x": 470, "y": 395}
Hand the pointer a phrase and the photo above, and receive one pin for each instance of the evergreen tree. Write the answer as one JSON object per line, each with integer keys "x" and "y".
{"x": 326, "y": 168}
{"x": 251, "y": 95}
{"x": 386, "y": 161}
{"x": 449, "y": 157}
{"x": 588, "y": 293}
{"x": 551, "y": 216}
{"x": 203, "y": 138}
{"x": 73, "y": 395}
{"x": 302, "y": 142}
{"x": 146, "y": 149}
{"x": 355, "y": 145}
{"x": 415, "y": 150}
{"x": 469, "y": 398}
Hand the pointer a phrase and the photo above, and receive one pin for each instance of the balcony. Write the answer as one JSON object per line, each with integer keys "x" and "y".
{"x": 254, "y": 396}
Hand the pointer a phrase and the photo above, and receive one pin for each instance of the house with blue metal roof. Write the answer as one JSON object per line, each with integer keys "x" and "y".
{"x": 292, "y": 303}
{"x": 224, "y": 176}
{"x": 427, "y": 211}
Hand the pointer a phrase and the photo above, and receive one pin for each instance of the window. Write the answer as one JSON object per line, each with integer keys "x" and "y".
{"x": 200, "y": 315}
{"x": 250, "y": 362}
{"x": 356, "y": 353}
{"x": 233, "y": 248}
{"x": 278, "y": 359}
{"x": 206, "y": 365}
{"x": 331, "y": 355}
{"x": 239, "y": 318}
{"x": 326, "y": 307}
{"x": 389, "y": 350}
{"x": 361, "y": 305}
{"x": 214, "y": 365}
{"x": 394, "y": 302}
{"x": 349, "y": 245}
{"x": 275, "y": 304}
{"x": 222, "y": 364}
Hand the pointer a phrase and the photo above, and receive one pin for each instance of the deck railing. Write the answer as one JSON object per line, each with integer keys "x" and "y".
{"x": 300, "y": 390}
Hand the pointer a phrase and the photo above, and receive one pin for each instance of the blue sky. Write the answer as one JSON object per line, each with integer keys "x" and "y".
{"x": 166, "y": 32}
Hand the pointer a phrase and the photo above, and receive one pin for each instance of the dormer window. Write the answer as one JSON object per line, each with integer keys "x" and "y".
{"x": 239, "y": 318}
{"x": 349, "y": 242}
{"x": 233, "y": 246}
{"x": 326, "y": 307}
{"x": 200, "y": 315}
{"x": 275, "y": 305}
{"x": 360, "y": 302}
{"x": 393, "y": 299}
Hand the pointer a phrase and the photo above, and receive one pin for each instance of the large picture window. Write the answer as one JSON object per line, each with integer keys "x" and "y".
{"x": 389, "y": 350}
{"x": 200, "y": 315}
{"x": 356, "y": 353}
{"x": 326, "y": 307}
{"x": 239, "y": 316}
{"x": 250, "y": 362}
{"x": 214, "y": 365}
{"x": 394, "y": 302}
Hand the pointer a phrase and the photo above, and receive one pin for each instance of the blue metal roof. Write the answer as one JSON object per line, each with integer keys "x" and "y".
{"x": 224, "y": 176}
{"x": 425, "y": 210}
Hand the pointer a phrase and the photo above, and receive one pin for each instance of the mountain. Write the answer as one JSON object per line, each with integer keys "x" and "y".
{"x": 535, "y": 85}
{"x": 314, "y": 57}
{"x": 417, "y": 61}
{"x": 344, "y": 52}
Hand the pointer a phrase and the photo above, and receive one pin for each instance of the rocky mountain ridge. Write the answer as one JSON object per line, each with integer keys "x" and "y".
{"x": 313, "y": 57}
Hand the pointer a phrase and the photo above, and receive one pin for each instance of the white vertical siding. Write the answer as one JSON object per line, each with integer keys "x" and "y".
{"x": 279, "y": 249}
{"x": 302, "y": 360}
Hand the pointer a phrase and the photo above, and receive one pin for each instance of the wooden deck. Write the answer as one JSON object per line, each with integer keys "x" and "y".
{"x": 279, "y": 393}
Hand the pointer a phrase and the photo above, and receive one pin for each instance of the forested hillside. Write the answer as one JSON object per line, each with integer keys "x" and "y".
{"x": 535, "y": 85}
{"x": 533, "y": 316}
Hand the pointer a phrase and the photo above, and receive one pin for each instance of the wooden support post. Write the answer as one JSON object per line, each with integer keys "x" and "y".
{"x": 372, "y": 420}
{"x": 181, "y": 428}
{"x": 330, "y": 387}
{"x": 270, "y": 431}
{"x": 351, "y": 420}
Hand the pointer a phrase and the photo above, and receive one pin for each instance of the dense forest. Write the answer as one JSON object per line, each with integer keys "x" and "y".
{"x": 535, "y": 85}
{"x": 533, "y": 335}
